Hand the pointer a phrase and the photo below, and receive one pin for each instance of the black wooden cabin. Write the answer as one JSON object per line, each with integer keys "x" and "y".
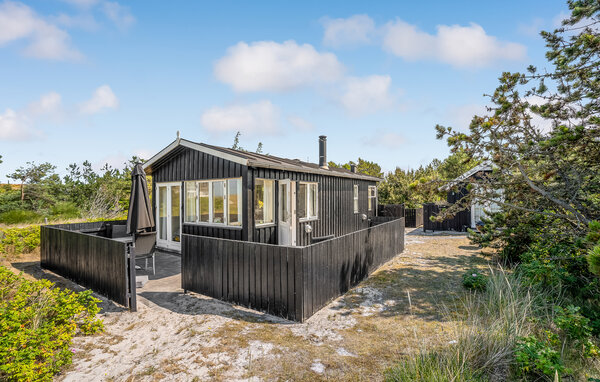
{"x": 458, "y": 188}
{"x": 220, "y": 192}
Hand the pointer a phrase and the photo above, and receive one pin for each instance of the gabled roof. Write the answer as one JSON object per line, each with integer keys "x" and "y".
{"x": 250, "y": 159}
{"x": 483, "y": 166}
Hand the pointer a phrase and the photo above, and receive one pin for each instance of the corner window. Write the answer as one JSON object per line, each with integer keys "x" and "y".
{"x": 214, "y": 202}
{"x": 191, "y": 202}
{"x": 264, "y": 201}
{"x": 234, "y": 202}
{"x": 218, "y": 202}
{"x": 372, "y": 197}
{"x": 308, "y": 201}
{"x": 356, "y": 198}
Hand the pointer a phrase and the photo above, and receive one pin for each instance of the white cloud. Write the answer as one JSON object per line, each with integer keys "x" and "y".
{"x": 271, "y": 66}
{"x": 46, "y": 41}
{"x": 300, "y": 123}
{"x": 257, "y": 118}
{"x": 15, "y": 126}
{"x": 385, "y": 139}
{"x": 48, "y": 104}
{"x": 460, "y": 46}
{"x": 354, "y": 30}
{"x": 367, "y": 94}
{"x": 118, "y": 14}
{"x": 85, "y": 21}
{"x": 103, "y": 98}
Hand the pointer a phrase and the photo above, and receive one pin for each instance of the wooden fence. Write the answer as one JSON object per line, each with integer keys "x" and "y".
{"x": 460, "y": 222}
{"x": 413, "y": 216}
{"x": 291, "y": 282}
{"x": 391, "y": 210}
{"x": 93, "y": 261}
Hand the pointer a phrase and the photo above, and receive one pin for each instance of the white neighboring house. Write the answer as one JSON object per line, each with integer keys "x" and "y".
{"x": 477, "y": 208}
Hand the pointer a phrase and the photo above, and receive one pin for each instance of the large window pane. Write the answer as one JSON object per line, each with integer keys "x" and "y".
{"x": 263, "y": 201}
{"x": 302, "y": 209}
{"x": 356, "y": 198}
{"x": 234, "y": 204}
{"x": 191, "y": 202}
{"x": 218, "y": 202}
{"x": 203, "y": 192}
{"x": 175, "y": 215}
{"x": 312, "y": 201}
{"x": 162, "y": 212}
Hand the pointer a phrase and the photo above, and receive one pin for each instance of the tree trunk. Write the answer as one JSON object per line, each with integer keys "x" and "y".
{"x": 22, "y": 191}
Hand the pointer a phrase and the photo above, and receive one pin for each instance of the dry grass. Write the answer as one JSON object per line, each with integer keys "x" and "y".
{"x": 430, "y": 272}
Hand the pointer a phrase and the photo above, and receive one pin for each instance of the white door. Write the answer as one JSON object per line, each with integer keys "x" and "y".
{"x": 287, "y": 214}
{"x": 168, "y": 216}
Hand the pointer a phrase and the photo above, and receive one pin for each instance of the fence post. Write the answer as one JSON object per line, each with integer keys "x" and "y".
{"x": 132, "y": 281}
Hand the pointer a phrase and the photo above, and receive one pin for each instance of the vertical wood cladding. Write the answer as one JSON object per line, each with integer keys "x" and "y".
{"x": 335, "y": 205}
{"x": 335, "y": 198}
{"x": 190, "y": 165}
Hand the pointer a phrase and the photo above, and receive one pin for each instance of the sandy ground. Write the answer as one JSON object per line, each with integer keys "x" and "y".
{"x": 183, "y": 337}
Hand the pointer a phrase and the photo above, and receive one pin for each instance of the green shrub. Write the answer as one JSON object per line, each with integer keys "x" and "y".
{"x": 64, "y": 210}
{"x": 593, "y": 260}
{"x": 539, "y": 356}
{"x": 38, "y": 322}
{"x": 576, "y": 329}
{"x": 15, "y": 241}
{"x": 474, "y": 279}
{"x": 20, "y": 217}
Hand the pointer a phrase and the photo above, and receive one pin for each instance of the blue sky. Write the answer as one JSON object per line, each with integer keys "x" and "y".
{"x": 102, "y": 81}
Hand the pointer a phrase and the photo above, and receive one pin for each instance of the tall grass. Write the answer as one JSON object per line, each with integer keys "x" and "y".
{"x": 488, "y": 326}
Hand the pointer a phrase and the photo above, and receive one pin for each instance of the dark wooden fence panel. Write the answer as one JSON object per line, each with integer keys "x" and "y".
{"x": 291, "y": 282}
{"x": 341, "y": 263}
{"x": 460, "y": 222}
{"x": 261, "y": 276}
{"x": 414, "y": 217}
{"x": 391, "y": 210}
{"x": 94, "y": 262}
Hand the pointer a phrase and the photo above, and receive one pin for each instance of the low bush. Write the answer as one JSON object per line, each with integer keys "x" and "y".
{"x": 15, "y": 241}
{"x": 38, "y": 322}
{"x": 474, "y": 279}
{"x": 20, "y": 217}
{"x": 64, "y": 210}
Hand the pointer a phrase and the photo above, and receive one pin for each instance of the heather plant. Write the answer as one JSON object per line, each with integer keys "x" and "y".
{"x": 38, "y": 322}
{"x": 14, "y": 241}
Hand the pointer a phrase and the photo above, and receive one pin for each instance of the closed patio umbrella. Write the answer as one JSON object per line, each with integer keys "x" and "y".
{"x": 139, "y": 218}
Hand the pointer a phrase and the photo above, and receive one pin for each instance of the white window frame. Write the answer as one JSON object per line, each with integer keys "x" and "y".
{"x": 355, "y": 199}
{"x": 372, "y": 198}
{"x": 210, "y": 222}
{"x": 316, "y": 206}
{"x": 274, "y": 222}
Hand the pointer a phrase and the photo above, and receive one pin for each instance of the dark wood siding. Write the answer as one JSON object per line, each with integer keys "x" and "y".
{"x": 191, "y": 165}
{"x": 336, "y": 205}
{"x": 335, "y": 198}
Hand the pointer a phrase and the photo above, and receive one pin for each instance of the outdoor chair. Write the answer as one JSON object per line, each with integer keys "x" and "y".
{"x": 145, "y": 243}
